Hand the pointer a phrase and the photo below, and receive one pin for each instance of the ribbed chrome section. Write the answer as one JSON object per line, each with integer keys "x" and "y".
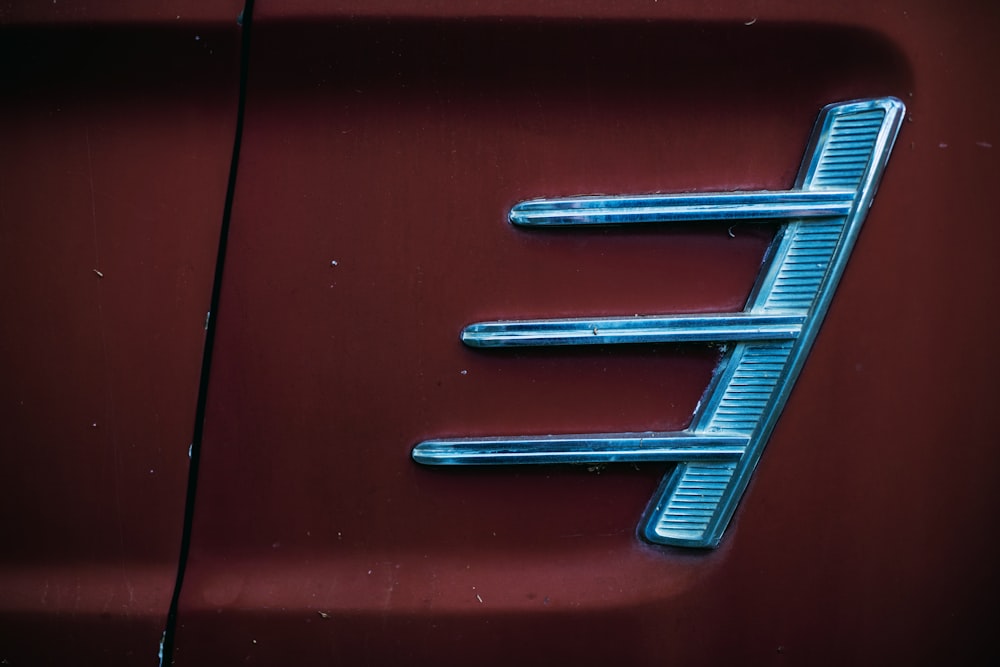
{"x": 690, "y": 502}
{"x": 747, "y": 387}
{"x": 768, "y": 340}
{"x": 844, "y": 157}
{"x": 805, "y": 264}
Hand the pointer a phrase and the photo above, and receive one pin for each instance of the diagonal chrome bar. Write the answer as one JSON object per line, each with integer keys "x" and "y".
{"x": 721, "y": 328}
{"x": 643, "y": 209}
{"x": 593, "y": 449}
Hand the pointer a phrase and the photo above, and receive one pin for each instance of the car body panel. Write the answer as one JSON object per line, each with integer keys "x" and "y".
{"x": 384, "y": 143}
{"x": 115, "y": 144}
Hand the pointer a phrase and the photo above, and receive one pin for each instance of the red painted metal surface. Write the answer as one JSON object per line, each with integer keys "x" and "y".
{"x": 393, "y": 144}
{"x": 384, "y": 143}
{"x": 115, "y": 145}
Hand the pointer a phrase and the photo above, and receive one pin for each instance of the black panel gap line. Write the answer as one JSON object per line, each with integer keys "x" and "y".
{"x": 169, "y": 633}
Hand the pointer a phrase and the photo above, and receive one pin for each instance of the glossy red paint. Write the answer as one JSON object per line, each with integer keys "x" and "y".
{"x": 115, "y": 146}
{"x": 385, "y": 141}
{"x": 393, "y": 143}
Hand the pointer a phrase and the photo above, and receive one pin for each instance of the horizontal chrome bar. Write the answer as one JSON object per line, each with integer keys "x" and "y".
{"x": 593, "y": 449}
{"x": 639, "y": 209}
{"x": 713, "y": 328}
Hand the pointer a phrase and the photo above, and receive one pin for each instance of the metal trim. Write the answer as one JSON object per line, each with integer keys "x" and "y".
{"x": 695, "y": 207}
{"x": 588, "y": 449}
{"x": 716, "y": 456}
{"x": 716, "y": 328}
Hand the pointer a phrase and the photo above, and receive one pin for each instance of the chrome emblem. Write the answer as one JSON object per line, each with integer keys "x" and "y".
{"x": 767, "y": 342}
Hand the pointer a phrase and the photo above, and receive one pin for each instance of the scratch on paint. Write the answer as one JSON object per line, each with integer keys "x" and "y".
{"x": 108, "y": 381}
{"x": 388, "y": 595}
{"x": 93, "y": 201}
